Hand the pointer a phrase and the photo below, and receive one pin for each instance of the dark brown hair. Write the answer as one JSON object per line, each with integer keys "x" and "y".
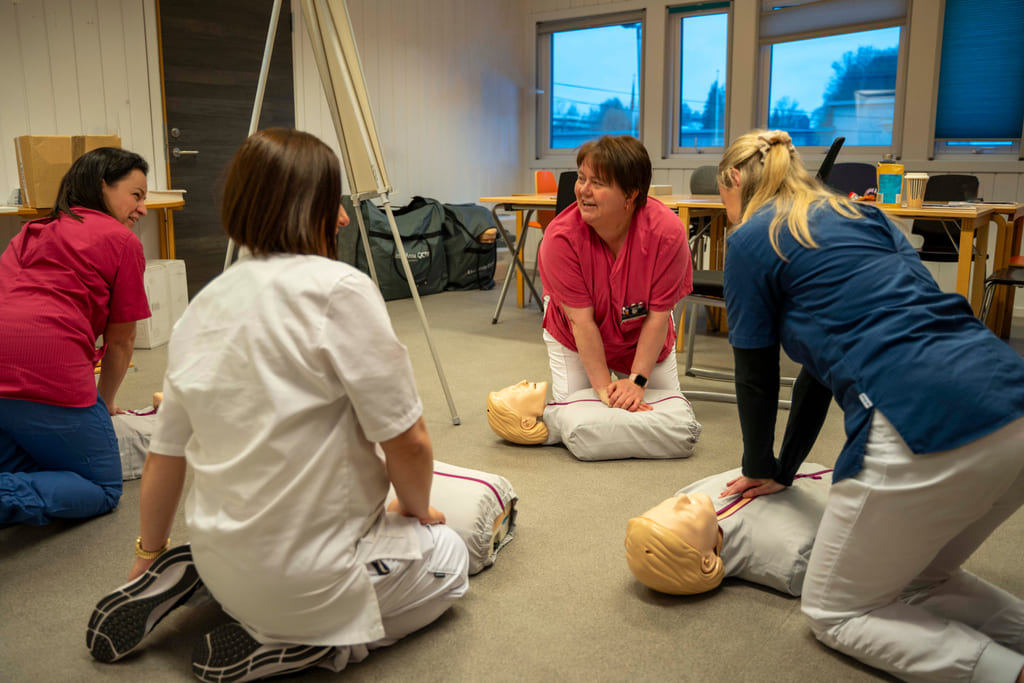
{"x": 282, "y": 194}
{"x": 82, "y": 185}
{"x": 621, "y": 158}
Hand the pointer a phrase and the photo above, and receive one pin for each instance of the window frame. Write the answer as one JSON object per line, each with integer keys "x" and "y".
{"x": 543, "y": 72}
{"x": 674, "y": 16}
{"x": 804, "y": 20}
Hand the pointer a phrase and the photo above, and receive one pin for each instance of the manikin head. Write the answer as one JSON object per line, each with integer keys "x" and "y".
{"x": 674, "y": 547}
{"x": 514, "y": 412}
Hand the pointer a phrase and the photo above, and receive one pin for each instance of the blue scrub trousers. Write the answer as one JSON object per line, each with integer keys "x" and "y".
{"x": 56, "y": 462}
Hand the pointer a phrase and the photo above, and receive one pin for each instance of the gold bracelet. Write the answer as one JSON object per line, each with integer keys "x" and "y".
{"x": 149, "y": 554}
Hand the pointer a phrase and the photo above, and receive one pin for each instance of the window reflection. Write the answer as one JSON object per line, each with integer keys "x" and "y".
{"x": 845, "y": 85}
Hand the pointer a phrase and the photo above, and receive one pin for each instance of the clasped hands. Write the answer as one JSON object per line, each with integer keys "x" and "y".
{"x": 624, "y": 393}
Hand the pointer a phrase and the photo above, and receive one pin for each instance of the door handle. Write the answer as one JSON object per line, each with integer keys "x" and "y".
{"x": 177, "y": 153}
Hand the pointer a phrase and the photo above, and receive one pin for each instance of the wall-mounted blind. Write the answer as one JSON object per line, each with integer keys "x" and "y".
{"x": 981, "y": 79}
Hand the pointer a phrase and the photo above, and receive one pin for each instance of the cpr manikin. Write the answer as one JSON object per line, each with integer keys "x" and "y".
{"x": 514, "y": 412}
{"x": 674, "y": 547}
{"x": 590, "y": 429}
{"x": 684, "y": 545}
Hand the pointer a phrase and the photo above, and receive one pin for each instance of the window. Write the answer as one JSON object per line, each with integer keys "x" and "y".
{"x": 834, "y": 71}
{"x": 699, "y": 40}
{"x": 589, "y": 80}
{"x": 980, "y": 107}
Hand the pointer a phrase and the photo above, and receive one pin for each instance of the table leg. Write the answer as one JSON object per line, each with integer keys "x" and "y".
{"x": 514, "y": 268}
{"x": 999, "y": 261}
{"x": 520, "y": 237}
{"x": 170, "y": 234}
{"x": 973, "y": 251}
{"x": 684, "y": 217}
{"x": 161, "y": 223}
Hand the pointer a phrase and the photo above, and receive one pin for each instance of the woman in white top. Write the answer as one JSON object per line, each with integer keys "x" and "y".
{"x": 293, "y": 402}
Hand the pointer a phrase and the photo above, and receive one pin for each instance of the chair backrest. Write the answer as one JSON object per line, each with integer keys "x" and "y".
{"x": 704, "y": 180}
{"x": 852, "y": 176}
{"x": 544, "y": 183}
{"x": 830, "y": 158}
{"x": 944, "y": 188}
{"x": 566, "y": 190}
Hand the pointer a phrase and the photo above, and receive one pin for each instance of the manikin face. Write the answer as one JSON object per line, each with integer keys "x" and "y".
{"x": 527, "y": 399}
{"x": 126, "y": 198}
{"x": 731, "y": 197}
{"x": 602, "y": 202}
{"x": 691, "y": 517}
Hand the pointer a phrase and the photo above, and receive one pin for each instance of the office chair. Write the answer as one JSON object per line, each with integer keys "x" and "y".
{"x": 825, "y": 170}
{"x": 1013, "y": 276}
{"x": 566, "y": 195}
{"x": 703, "y": 180}
{"x": 850, "y": 177}
{"x": 543, "y": 183}
{"x": 942, "y": 238}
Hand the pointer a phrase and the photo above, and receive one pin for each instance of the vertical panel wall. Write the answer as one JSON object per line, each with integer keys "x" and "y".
{"x": 74, "y": 67}
{"x": 81, "y": 67}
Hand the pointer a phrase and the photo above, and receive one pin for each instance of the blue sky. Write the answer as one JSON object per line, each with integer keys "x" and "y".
{"x": 602, "y": 62}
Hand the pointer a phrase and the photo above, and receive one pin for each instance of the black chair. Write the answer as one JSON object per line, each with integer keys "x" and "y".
{"x": 850, "y": 177}
{"x": 703, "y": 180}
{"x": 1009, "y": 277}
{"x": 825, "y": 170}
{"x": 942, "y": 238}
{"x": 566, "y": 190}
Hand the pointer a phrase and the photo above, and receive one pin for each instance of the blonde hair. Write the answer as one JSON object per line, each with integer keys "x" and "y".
{"x": 508, "y": 424}
{"x": 662, "y": 561}
{"x": 771, "y": 171}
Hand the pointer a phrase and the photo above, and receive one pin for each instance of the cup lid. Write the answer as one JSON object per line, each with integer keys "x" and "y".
{"x": 915, "y": 175}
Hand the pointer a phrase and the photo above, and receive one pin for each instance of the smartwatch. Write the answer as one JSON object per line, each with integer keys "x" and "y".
{"x": 638, "y": 380}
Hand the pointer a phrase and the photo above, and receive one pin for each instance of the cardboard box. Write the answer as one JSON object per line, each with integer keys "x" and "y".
{"x": 80, "y": 144}
{"x": 167, "y": 293}
{"x": 42, "y": 162}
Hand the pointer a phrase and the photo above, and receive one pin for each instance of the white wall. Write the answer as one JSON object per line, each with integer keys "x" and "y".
{"x": 447, "y": 82}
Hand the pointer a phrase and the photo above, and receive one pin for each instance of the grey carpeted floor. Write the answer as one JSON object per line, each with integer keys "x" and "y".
{"x": 559, "y": 604}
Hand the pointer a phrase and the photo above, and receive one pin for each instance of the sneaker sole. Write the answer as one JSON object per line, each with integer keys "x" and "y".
{"x": 122, "y": 619}
{"x": 228, "y": 654}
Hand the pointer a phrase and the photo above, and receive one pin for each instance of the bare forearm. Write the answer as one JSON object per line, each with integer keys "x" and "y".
{"x": 590, "y": 346}
{"x": 650, "y": 343}
{"x": 112, "y": 371}
{"x": 409, "y": 458}
{"x": 163, "y": 477}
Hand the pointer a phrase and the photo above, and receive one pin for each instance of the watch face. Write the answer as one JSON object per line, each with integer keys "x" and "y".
{"x": 640, "y": 380}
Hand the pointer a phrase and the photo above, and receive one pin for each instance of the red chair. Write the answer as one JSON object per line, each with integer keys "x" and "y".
{"x": 543, "y": 183}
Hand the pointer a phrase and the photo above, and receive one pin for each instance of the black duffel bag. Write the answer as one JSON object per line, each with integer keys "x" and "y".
{"x": 470, "y": 262}
{"x": 421, "y": 226}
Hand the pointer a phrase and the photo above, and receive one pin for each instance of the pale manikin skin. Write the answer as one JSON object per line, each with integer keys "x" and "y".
{"x": 526, "y": 399}
{"x": 692, "y": 518}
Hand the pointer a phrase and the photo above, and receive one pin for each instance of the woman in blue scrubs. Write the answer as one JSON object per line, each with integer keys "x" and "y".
{"x": 933, "y": 408}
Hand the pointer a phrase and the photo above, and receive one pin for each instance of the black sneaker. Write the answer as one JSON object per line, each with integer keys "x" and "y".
{"x": 122, "y": 619}
{"x": 228, "y": 653}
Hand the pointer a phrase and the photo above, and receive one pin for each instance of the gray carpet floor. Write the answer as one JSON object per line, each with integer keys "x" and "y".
{"x": 559, "y": 604}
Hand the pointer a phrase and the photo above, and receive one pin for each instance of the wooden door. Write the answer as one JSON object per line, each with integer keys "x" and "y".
{"x": 211, "y": 57}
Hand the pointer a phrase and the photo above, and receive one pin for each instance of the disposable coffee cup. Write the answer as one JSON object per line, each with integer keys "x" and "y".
{"x": 915, "y": 183}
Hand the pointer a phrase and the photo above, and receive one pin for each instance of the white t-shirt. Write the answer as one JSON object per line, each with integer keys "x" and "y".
{"x": 282, "y": 374}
